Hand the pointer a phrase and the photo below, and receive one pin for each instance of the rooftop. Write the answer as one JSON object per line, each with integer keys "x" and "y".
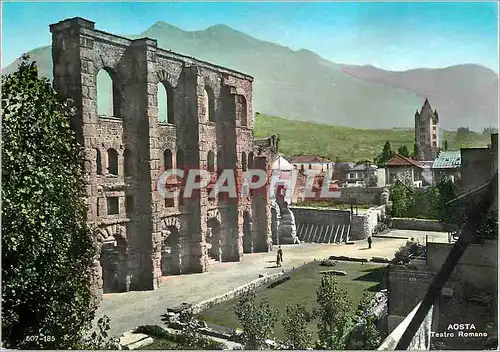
{"x": 399, "y": 160}
{"x": 308, "y": 159}
{"x": 447, "y": 159}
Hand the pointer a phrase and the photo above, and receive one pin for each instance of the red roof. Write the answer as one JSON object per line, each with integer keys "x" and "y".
{"x": 399, "y": 160}
{"x": 307, "y": 159}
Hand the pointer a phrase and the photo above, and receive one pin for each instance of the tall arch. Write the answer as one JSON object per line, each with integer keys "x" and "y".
{"x": 165, "y": 99}
{"x": 107, "y": 94}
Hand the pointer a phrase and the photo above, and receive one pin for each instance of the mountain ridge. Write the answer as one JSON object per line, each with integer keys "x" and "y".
{"x": 302, "y": 85}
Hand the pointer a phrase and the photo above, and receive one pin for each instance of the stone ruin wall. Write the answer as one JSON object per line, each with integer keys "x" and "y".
{"x": 145, "y": 222}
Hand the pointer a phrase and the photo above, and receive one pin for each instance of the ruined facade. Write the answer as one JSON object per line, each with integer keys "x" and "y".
{"x": 142, "y": 235}
{"x": 427, "y": 132}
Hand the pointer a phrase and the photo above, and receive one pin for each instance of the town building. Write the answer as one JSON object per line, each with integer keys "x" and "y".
{"x": 427, "y": 132}
{"x": 311, "y": 162}
{"x": 447, "y": 165}
{"x": 362, "y": 175}
{"x": 400, "y": 166}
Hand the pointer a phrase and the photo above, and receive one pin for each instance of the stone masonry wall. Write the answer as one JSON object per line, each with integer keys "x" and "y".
{"x": 210, "y": 110}
{"x": 477, "y": 267}
{"x": 361, "y": 195}
{"x": 417, "y": 224}
{"x": 321, "y": 216}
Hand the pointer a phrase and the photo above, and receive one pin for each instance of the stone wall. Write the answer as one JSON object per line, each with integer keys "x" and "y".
{"x": 478, "y": 266}
{"x": 417, "y": 224}
{"x": 361, "y": 195}
{"x": 321, "y": 216}
{"x": 406, "y": 288}
{"x": 363, "y": 224}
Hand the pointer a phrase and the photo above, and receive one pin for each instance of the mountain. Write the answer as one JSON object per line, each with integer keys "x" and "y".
{"x": 466, "y": 93}
{"x": 301, "y": 85}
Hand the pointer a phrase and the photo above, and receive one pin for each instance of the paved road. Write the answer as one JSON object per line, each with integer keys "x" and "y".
{"x": 131, "y": 309}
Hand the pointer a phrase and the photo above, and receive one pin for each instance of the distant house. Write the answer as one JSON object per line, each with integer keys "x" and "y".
{"x": 311, "y": 162}
{"x": 398, "y": 166}
{"x": 362, "y": 175}
{"x": 447, "y": 164}
{"x": 340, "y": 171}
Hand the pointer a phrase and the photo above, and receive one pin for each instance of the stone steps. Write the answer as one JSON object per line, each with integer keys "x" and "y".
{"x": 319, "y": 233}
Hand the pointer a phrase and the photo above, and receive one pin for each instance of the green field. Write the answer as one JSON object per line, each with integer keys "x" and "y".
{"x": 348, "y": 144}
{"x": 301, "y": 288}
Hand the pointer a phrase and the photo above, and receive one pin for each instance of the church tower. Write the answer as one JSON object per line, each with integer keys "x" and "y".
{"x": 426, "y": 132}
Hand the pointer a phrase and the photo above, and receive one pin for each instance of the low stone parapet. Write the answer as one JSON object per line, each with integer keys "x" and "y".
{"x": 197, "y": 308}
{"x": 417, "y": 224}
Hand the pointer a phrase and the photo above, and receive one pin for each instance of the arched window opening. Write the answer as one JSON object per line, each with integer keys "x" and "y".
{"x": 112, "y": 162}
{"x": 242, "y": 110}
{"x": 98, "y": 160}
{"x": 165, "y": 98}
{"x": 211, "y": 161}
{"x": 243, "y": 161}
{"x": 127, "y": 163}
{"x": 107, "y": 94}
{"x": 209, "y": 104}
{"x": 167, "y": 159}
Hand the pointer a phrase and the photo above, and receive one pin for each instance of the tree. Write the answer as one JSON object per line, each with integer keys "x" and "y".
{"x": 371, "y": 336}
{"x": 47, "y": 249}
{"x": 490, "y": 130}
{"x": 257, "y": 321}
{"x": 335, "y": 319}
{"x": 416, "y": 151}
{"x": 297, "y": 335}
{"x": 445, "y": 144}
{"x": 403, "y": 150}
{"x": 447, "y": 191}
{"x": 402, "y": 196}
{"x": 386, "y": 154}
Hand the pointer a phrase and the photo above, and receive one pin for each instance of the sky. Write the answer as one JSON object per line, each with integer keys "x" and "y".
{"x": 390, "y": 35}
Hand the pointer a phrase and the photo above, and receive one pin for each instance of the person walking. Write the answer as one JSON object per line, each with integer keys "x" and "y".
{"x": 369, "y": 242}
{"x": 279, "y": 257}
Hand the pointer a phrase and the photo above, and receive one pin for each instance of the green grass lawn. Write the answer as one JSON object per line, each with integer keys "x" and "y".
{"x": 349, "y": 144}
{"x": 301, "y": 288}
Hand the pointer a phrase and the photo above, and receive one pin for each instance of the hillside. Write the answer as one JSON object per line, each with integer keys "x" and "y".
{"x": 349, "y": 144}
{"x": 303, "y": 86}
{"x": 472, "y": 88}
